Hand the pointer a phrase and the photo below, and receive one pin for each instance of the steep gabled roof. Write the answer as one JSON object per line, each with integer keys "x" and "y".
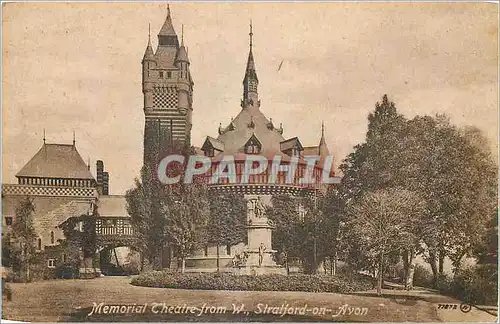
{"x": 56, "y": 161}
{"x": 216, "y": 144}
{"x": 168, "y": 28}
{"x": 291, "y": 143}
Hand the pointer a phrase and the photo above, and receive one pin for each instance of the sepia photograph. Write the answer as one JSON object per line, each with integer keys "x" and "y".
{"x": 249, "y": 161}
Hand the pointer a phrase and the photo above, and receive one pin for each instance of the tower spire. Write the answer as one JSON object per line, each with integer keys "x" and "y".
{"x": 322, "y": 147}
{"x": 250, "y": 82}
{"x": 167, "y": 35}
{"x": 251, "y": 35}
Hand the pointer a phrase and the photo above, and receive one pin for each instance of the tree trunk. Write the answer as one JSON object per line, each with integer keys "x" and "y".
{"x": 380, "y": 274}
{"x": 27, "y": 272}
{"x": 410, "y": 271}
{"x": 183, "y": 264}
{"x": 432, "y": 262}
{"x": 287, "y": 266}
{"x": 441, "y": 262}
{"x": 218, "y": 258}
{"x": 406, "y": 265}
{"x": 116, "y": 257}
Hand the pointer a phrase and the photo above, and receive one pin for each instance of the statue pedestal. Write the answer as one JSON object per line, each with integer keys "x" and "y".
{"x": 259, "y": 252}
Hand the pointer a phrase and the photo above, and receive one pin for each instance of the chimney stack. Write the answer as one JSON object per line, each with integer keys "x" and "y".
{"x": 105, "y": 183}
{"x": 100, "y": 174}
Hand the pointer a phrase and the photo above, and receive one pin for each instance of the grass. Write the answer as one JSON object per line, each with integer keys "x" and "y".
{"x": 71, "y": 300}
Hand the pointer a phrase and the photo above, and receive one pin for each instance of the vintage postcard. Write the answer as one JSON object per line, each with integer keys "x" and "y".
{"x": 249, "y": 162}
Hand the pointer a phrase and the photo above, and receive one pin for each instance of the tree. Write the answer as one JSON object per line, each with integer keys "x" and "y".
{"x": 454, "y": 173}
{"x": 227, "y": 221}
{"x": 383, "y": 223}
{"x": 286, "y": 238}
{"x": 449, "y": 168}
{"x": 333, "y": 207}
{"x": 147, "y": 219}
{"x": 188, "y": 212}
{"x": 23, "y": 238}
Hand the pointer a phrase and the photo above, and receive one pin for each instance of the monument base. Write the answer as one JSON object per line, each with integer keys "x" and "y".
{"x": 256, "y": 271}
{"x": 254, "y": 266}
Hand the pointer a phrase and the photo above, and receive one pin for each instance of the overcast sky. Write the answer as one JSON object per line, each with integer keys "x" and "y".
{"x": 78, "y": 67}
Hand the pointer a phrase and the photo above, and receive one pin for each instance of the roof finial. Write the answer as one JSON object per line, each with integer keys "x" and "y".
{"x": 182, "y": 35}
{"x": 251, "y": 34}
{"x": 44, "y": 136}
{"x": 74, "y": 139}
{"x": 149, "y": 31}
{"x": 88, "y": 164}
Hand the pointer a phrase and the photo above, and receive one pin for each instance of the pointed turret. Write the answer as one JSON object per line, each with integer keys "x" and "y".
{"x": 250, "y": 82}
{"x": 148, "y": 65}
{"x": 182, "y": 55}
{"x": 149, "y": 55}
{"x": 184, "y": 86}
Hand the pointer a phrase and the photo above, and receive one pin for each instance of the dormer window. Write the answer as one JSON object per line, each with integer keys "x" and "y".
{"x": 253, "y": 146}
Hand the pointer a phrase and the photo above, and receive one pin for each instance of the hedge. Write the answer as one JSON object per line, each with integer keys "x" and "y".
{"x": 226, "y": 281}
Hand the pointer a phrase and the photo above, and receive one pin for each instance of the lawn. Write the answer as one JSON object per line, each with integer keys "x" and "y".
{"x": 72, "y": 300}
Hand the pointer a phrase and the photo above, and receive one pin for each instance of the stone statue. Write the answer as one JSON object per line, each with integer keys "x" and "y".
{"x": 250, "y": 209}
{"x": 259, "y": 208}
{"x": 262, "y": 248}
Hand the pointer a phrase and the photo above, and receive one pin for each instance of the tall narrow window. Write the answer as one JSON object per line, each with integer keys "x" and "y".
{"x": 39, "y": 244}
{"x": 169, "y": 74}
{"x": 161, "y": 74}
{"x": 52, "y": 240}
{"x": 205, "y": 251}
{"x": 228, "y": 249}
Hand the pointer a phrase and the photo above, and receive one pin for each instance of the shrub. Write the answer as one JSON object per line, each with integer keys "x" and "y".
{"x": 66, "y": 271}
{"x": 224, "y": 281}
{"x": 422, "y": 277}
{"x": 476, "y": 285}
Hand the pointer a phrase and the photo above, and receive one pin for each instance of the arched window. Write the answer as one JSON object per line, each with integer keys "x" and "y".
{"x": 52, "y": 240}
